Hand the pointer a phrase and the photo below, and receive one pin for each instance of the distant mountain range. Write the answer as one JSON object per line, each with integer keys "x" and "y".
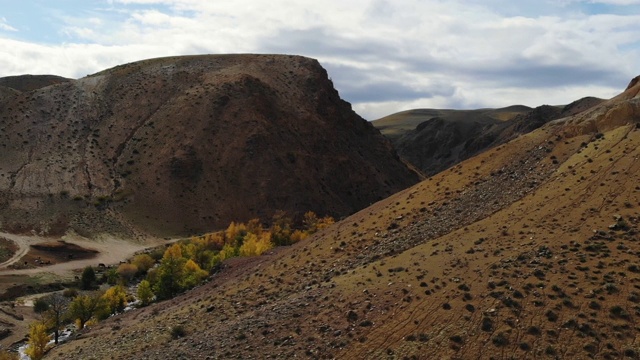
{"x": 434, "y": 140}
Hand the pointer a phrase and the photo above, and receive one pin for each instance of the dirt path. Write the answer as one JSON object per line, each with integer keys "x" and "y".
{"x": 111, "y": 250}
{"x": 23, "y": 243}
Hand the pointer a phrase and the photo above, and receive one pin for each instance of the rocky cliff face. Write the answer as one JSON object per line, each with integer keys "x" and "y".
{"x": 188, "y": 144}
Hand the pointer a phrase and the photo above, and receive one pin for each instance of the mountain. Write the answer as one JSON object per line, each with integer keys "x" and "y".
{"x": 26, "y": 83}
{"x": 443, "y": 138}
{"x": 528, "y": 250}
{"x": 182, "y": 145}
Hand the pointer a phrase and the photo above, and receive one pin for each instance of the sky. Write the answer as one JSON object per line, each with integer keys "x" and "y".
{"x": 383, "y": 56}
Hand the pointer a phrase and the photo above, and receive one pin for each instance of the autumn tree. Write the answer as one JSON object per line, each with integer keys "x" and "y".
{"x": 111, "y": 276}
{"x": 192, "y": 275}
{"x": 143, "y": 262}
{"x": 313, "y": 223}
{"x": 254, "y": 244}
{"x": 38, "y": 339}
{"x": 145, "y": 295}
{"x": 115, "y": 299}
{"x": 126, "y": 272}
{"x": 169, "y": 273}
{"x": 235, "y": 233}
{"x": 84, "y": 307}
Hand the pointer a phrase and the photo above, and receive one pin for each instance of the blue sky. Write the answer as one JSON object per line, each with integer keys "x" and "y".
{"x": 383, "y": 56}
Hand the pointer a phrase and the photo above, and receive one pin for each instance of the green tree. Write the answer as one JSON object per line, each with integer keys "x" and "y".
{"x": 38, "y": 340}
{"x": 88, "y": 279}
{"x": 111, "y": 276}
{"x": 145, "y": 295}
{"x": 170, "y": 272}
{"x": 192, "y": 275}
{"x": 84, "y": 307}
{"x": 40, "y": 305}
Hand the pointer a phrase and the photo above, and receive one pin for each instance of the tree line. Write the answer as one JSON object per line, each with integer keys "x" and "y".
{"x": 162, "y": 274}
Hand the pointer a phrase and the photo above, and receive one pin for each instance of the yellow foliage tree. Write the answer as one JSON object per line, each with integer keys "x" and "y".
{"x": 143, "y": 262}
{"x": 127, "y": 272}
{"x": 38, "y": 339}
{"x": 115, "y": 299}
{"x": 145, "y": 295}
{"x": 313, "y": 223}
{"x": 84, "y": 307}
{"x": 254, "y": 245}
{"x": 173, "y": 252}
{"x": 235, "y": 233}
{"x": 192, "y": 274}
{"x": 227, "y": 252}
{"x": 325, "y": 222}
{"x": 298, "y": 235}
{"x": 255, "y": 226}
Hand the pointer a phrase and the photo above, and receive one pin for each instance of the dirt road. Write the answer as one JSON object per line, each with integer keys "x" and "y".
{"x": 111, "y": 250}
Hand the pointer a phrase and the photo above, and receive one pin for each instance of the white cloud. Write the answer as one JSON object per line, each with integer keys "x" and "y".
{"x": 6, "y": 27}
{"x": 383, "y": 55}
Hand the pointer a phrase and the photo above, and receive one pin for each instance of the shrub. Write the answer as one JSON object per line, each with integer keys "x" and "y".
{"x": 70, "y": 293}
{"x": 500, "y": 340}
{"x": 177, "y": 331}
{"x": 40, "y": 305}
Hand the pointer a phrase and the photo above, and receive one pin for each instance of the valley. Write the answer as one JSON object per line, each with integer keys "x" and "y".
{"x": 522, "y": 243}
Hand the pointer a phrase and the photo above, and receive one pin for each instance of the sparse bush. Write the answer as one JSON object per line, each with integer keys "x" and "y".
{"x": 551, "y": 316}
{"x": 534, "y": 330}
{"x": 70, "y": 293}
{"x": 500, "y": 340}
{"x": 487, "y": 324}
{"x": 456, "y": 339}
{"x": 619, "y": 312}
{"x": 177, "y": 331}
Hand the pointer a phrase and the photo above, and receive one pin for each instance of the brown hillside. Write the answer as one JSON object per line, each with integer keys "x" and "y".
{"x": 187, "y": 144}
{"x": 527, "y": 251}
{"x": 26, "y": 83}
{"x": 443, "y": 138}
